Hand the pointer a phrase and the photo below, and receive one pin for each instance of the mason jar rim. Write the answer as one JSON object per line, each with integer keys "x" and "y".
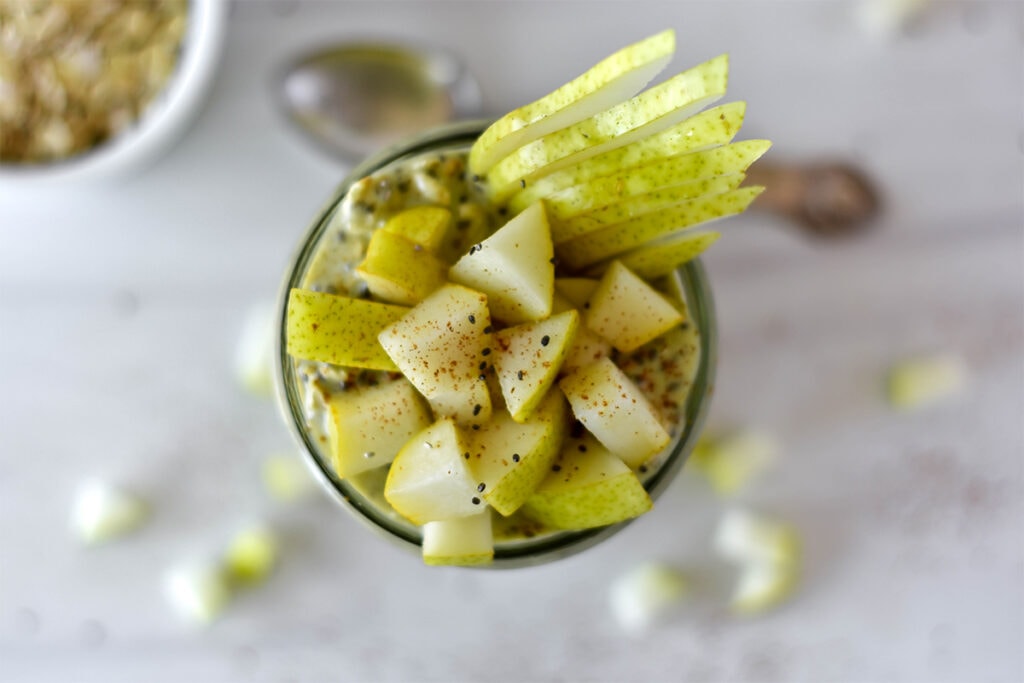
{"x": 549, "y": 546}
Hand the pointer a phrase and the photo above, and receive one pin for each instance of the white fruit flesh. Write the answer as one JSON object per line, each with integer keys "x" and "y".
{"x": 369, "y": 425}
{"x": 510, "y": 458}
{"x": 613, "y": 240}
{"x": 528, "y": 357}
{"x": 439, "y": 345}
{"x": 586, "y": 347}
{"x": 609, "y": 82}
{"x": 650, "y": 112}
{"x": 646, "y": 595}
{"x": 101, "y": 512}
{"x": 611, "y": 407}
{"x": 465, "y": 541}
{"x": 513, "y": 267}
{"x": 430, "y": 480}
{"x": 328, "y": 328}
{"x": 627, "y": 311}
{"x": 587, "y": 487}
{"x": 716, "y": 126}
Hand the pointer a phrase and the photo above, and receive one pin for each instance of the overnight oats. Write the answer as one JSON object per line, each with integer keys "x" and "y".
{"x": 501, "y": 364}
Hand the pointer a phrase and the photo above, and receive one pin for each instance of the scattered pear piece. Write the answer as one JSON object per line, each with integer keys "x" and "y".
{"x": 338, "y": 329}
{"x": 254, "y": 358}
{"x": 510, "y": 458}
{"x": 614, "y": 409}
{"x": 286, "y": 478}
{"x": 925, "y": 380}
{"x": 426, "y": 226}
{"x": 399, "y": 271}
{"x": 430, "y": 479}
{"x": 646, "y": 595}
{"x": 587, "y": 487}
{"x": 367, "y": 426}
{"x": 464, "y": 541}
{"x": 627, "y": 311}
{"x": 198, "y": 592}
{"x": 711, "y": 128}
{"x": 731, "y": 461}
{"x": 102, "y": 511}
{"x": 609, "y": 82}
{"x": 440, "y": 346}
{"x": 650, "y": 112}
{"x": 768, "y": 555}
{"x": 513, "y": 267}
{"x": 528, "y": 357}
{"x": 251, "y": 555}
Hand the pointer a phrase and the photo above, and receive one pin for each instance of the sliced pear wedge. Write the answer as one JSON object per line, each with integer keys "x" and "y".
{"x": 627, "y": 311}
{"x": 664, "y": 256}
{"x": 708, "y": 129}
{"x": 650, "y": 112}
{"x": 613, "y": 240}
{"x": 609, "y": 82}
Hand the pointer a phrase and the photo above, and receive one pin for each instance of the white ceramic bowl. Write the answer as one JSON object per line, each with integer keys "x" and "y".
{"x": 163, "y": 121}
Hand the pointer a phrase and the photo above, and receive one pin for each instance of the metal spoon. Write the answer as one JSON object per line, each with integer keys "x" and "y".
{"x": 353, "y": 99}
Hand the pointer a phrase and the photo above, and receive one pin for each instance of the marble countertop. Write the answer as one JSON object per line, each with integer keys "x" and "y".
{"x": 121, "y": 307}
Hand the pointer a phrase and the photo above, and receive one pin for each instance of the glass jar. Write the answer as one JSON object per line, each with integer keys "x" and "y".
{"x": 375, "y": 513}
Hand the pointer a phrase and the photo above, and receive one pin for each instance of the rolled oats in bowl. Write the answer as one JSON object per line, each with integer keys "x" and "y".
{"x": 76, "y": 73}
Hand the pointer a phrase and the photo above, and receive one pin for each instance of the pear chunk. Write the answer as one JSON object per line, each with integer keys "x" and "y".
{"x": 513, "y": 267}
{"x": 426, "y": 226}
{"x": 627, "y": 311}
{"x": 587, "y": 487}
{"x": 650, "y": 112}
{"x": 328, "y": 328}
{"x": 614, "y": 409}
{"x": 576, "y": 290}
{"x": 400, "y": 271}
{"x": 464, "y": 541}
{"x": 528, "y": 357}
{"x": 430, "y": 480}
{"x": 586, "y": 345}
{"x": 646, "y": 229}
{"x": 510, "y": 458}
{"x": 440, "y": 346}
{"x": 609, "y": 82}
{"x": 708, "y": 129}
{"x": 368, "y": 426}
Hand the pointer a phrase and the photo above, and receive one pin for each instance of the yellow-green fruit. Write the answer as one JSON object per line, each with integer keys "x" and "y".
{"x": 716, "y": 126}
{"x": 369, "y": 425}
{"x": 612, "y": 80}
{"x": 338, "y": 329}
{"x": 426, "y": 226}
{"x": 464, "y": 541}
{"x": 528, "y": 357}
{"x": 400, "y": 271}
{"x": 587, "y": 487}
{"x": 510, "y": 458}
{"x": 627, "y": 311}
{"x": 664, "y": 256}
{"x": 613, "y": 240}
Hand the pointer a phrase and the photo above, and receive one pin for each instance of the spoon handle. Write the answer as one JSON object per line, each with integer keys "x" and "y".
{"x": 822, "y": 199}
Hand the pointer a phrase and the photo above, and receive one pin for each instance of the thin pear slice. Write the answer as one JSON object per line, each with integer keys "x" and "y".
{"x": 708, "y": 129}
{"x": 430, "y": 480}
{"x": 440, "y": 345}
{"x": 513, "y": 267}
{"x": 527, "y": 359}
{"x": 615, "y": 411}
{"x": 613, "y": 240}
{"x": 510, "y": 458}
{"x": 644, "y": 178}
{"x": 399, "y": 271}
{"x": 609, "y": 82}
{"x": 426, "y": 226}
{"x": 664, "y": 256}
{"x": 369, "y": 425}
{"x": 650, "y": 112}
{"x": 328, "y": 328}
{"x": 587, "y": 487}
{"x": 464, "y": 541}
{"x": 627, "y": 311}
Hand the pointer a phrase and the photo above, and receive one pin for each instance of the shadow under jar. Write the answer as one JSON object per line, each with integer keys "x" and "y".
{"x": 677, "y": 373}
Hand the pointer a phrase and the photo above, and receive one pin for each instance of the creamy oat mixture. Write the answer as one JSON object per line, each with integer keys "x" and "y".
{"x": 664, "y": 369}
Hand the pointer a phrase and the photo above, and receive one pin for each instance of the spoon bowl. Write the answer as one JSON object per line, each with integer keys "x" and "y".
{"x": 354, "y": 99}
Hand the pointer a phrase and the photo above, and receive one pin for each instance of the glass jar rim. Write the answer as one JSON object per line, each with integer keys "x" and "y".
{"x": 544, "y": 548}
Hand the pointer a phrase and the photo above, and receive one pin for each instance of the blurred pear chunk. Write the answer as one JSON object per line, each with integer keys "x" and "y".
{"x": 464, "y": 541}
{"x": 426, "y": 226}
{"x": 924, "y": 380}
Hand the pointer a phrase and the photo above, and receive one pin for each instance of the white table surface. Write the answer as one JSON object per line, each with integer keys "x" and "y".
{"x": 121, "y": 306}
